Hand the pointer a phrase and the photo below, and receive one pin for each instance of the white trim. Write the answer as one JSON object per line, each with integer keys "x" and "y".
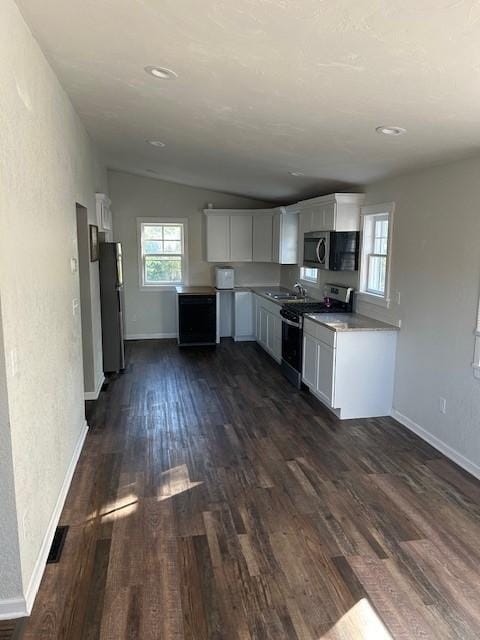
{"x": 438, "y": 444}
{"x": 370, "y": 298}
{"x": 93, "y": 395}
{"x": 185, "y": 255}
{"x": 12, "y": 608}
{"x": 21, "y": 607}
{"x": 150, "y": 336}
{"x": 385, "y": 208}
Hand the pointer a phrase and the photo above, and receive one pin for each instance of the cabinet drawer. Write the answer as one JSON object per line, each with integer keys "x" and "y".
{"x": 320, "y": 332}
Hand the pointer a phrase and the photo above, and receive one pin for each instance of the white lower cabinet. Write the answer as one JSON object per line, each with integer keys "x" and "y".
{"x": 351, "y": 372}
{"x": 268, "y": 327}
{"x": 243, "y": 320}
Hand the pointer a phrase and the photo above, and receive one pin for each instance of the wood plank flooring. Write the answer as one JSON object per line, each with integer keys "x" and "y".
{"x": 213, "y": 501}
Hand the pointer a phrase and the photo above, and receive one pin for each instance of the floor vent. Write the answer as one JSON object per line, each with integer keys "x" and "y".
{"x": 57, "y": 545}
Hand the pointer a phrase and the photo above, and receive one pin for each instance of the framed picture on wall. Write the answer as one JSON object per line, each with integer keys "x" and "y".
{"x": 93, "y": 243}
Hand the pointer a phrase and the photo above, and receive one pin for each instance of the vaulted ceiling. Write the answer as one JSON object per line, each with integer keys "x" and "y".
{"x": 268, "y": 87}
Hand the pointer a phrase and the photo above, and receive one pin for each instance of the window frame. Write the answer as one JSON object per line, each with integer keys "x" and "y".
{"x": 309, "y": 281}
{"x": 367, "y": 213}
{"x": 141, "y": 222}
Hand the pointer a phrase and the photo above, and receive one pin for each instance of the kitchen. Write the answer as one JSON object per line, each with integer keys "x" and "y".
{"x": 240, "y": 355}
{"x": 345, "y": 359}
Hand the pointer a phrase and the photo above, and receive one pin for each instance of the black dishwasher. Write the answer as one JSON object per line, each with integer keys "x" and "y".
{"x": 197, "y": 319}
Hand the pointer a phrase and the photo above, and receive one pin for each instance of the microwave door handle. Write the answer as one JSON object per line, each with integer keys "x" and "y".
{"x": 318, "y": 251}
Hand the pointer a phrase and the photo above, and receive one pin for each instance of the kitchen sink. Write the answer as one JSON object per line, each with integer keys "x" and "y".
{"x": 283, "y": 295}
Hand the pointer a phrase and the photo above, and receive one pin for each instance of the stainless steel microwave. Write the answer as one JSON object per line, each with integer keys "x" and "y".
{"x": 331, "y": 250}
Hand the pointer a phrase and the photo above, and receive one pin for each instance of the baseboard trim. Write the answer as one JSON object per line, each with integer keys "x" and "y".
{"x": 93, "y": 395}
{"x": 150, "y": 336}
{"x": 438, "y": 444}
{"x": 12, "y": 608}
{"x": 39, "y": 568}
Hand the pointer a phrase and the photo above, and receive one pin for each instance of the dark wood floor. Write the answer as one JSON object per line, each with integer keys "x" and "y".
{"x": 212, "y": 500}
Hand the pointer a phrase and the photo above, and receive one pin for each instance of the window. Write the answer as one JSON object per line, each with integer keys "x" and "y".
{"x": 162, "y": 252}
{"x": 310, "y": 275}
{"x": 375, "y": 258}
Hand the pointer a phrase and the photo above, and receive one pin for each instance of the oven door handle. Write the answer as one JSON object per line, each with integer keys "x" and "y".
{"x": 291, "y": 324}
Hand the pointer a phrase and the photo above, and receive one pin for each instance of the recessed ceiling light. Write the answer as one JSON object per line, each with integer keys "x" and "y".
{"x": 391, "y": 131}
{"x": 296, "y": 174}
{"x": 161, "y": 73}
{"x": 156, "y": 143}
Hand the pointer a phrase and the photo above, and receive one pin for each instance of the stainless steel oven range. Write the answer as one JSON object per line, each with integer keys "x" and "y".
{"x": 338, "y": 299}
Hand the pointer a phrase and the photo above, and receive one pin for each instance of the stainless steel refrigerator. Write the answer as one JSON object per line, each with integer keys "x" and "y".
{"x": 112, "y": 306}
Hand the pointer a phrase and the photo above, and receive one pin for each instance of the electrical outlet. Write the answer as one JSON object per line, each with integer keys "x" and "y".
{"x": 75, "y": 305}
{"x": 398, "y": 297}
{"x": 73, "y": 265}
{"x": 442, "y": 404}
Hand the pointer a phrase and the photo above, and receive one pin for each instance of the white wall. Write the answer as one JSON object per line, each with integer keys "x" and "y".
{"x": 436, "y": 269}
{"x": 47, "y": 164}
{"x": 151, "y": 313}
{"x": 11, "y": 579}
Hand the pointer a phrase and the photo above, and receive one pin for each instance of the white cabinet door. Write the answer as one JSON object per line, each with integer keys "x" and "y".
{"x": 241, "y": 238}
{"x": 317, "y": 222}
{"x": 274, "y": 336}
{"x": 304, "y": 226}
{"x": 263, "y": 327}
{"x": 325, "y": 372}
{"x": 329, "y": 216}
{"x": 218, "y": 238}
{"x": 243, "y": 318}
{"x": 276, "y": 237}
{"x": 262, "y": 238}
{"x": 277, "y": 341}
{"x": 310, "y": 361}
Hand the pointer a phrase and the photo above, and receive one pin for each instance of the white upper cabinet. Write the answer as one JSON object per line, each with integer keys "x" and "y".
{"x": 241, "y": 238}
{"x": 263, "y": 237}
{"x": 285, "y": 235}
{"x": 104, "y": 213}
{"x": 334, "y": 212}
{"x": 218, "y": 237}
{"x": 258, "y": 235}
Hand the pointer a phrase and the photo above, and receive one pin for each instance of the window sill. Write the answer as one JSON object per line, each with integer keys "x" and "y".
{"x": 370, "y": 298}
{"x": 161, "y": 287}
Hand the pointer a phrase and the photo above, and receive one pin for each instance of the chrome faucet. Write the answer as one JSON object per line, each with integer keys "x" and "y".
{"x": 301, "y": 289}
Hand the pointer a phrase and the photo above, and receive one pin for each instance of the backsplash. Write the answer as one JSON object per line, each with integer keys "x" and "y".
{"x": 289, "y": 274}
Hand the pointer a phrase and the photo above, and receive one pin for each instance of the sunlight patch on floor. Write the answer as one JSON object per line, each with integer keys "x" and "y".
{"x": 175, "y": 481}
{"x": 117, "y": 509}
{"x": 361, "y": 622}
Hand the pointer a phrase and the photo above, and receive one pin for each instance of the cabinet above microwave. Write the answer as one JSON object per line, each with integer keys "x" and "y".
{"x": 334, "y": 212}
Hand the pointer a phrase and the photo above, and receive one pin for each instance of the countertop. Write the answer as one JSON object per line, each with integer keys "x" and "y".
{"x": 196, "y": 291}
{"x": 349, "y": 322}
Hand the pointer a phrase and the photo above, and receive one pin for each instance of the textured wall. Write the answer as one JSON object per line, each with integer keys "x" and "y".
{"x": 10, "y": 572}
{"x": 153, "y": 312}
{"x": 436, "y": 269}
{"x": 47, "y": 164}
